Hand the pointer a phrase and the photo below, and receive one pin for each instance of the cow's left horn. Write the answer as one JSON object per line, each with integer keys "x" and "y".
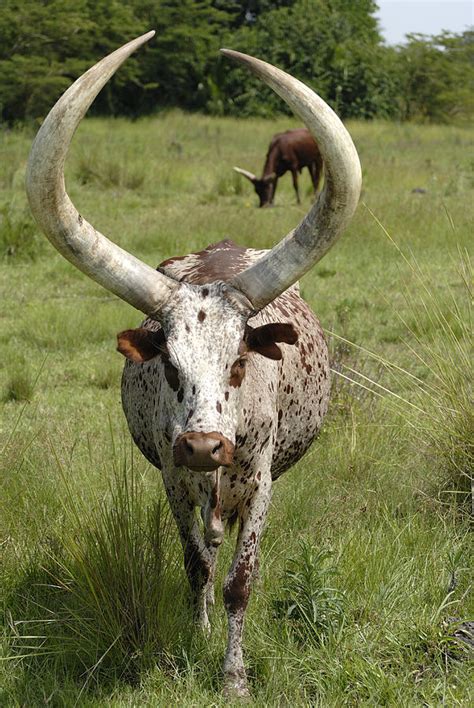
{"x": 105, "y": 262}
{"x": 316, "y": 233}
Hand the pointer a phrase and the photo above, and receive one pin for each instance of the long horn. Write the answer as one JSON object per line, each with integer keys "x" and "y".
{"x": 246, "y": 173}
{"x": 78, "y": 241}
{"x": 316, "y": 233}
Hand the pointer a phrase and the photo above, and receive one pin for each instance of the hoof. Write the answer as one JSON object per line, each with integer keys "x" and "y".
{"x": 235, "y": 686}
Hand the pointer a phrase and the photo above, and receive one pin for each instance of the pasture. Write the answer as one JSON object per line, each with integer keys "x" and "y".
{"x": 366, "y": 562}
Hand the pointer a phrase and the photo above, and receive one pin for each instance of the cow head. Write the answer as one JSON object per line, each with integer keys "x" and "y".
{"x": 204, "y": 347}
{"x": 264, "y": 186}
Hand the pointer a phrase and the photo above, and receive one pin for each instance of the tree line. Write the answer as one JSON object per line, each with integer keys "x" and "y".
{"x": 333, "y": 45}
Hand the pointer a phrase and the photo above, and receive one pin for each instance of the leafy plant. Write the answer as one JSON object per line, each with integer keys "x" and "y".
{"x": 312, "y": 605}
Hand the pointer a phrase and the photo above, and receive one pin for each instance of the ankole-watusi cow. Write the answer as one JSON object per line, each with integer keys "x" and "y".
{"x": 226, "y": 382}
{"x": 288, "y": 151}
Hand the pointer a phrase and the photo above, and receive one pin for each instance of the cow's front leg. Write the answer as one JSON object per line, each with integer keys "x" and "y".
{"x": 238, "y": 582}
{"x": 198, "y": 562}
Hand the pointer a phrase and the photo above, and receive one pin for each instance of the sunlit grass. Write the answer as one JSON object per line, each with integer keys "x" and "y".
{"x": 376, "y": 500}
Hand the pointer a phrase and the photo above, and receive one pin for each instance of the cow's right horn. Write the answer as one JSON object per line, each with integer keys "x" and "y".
{"x": 263, "y": 281}
{"x": 246, "y": 173}
{"x": 78, "y": 241}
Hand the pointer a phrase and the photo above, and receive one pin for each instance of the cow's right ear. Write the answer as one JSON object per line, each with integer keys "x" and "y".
{"x": 141, "y": 344}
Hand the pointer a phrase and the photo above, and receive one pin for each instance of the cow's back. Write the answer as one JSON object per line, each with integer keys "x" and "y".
{"x": 294, "y": 148}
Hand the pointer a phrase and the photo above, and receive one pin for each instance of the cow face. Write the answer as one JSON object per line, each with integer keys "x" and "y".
{"x": 265, "y": 189}
{"x": 203, "y": 349}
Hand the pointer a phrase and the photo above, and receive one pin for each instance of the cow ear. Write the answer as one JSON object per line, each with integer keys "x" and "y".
{"x": 141, "y": 344}
{"x": 263, "y": 339}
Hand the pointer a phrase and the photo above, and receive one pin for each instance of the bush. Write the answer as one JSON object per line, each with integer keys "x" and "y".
{"x": 312, "y": 606}
{"x": 105, "y": 589}
{"x": 18, "y": 233}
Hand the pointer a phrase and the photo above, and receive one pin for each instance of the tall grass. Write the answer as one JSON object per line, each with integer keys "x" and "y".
{"x": 98, "y": 605}
{"x": 19, "y": 236}
{"x": 375, "y": 623}
{"x": 108, "y": 173}
{"x": 438, "y": 336}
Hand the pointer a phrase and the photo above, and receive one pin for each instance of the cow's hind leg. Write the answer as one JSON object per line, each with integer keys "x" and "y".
{"x": 316, "y": 171}
{"x": 294, "y": 174}
{"x": 238, "y": 582}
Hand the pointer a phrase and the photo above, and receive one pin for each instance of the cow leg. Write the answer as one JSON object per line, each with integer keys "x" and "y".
{"x": 294, "y": 174}
{"x": 197, "y": 558}
{"x": 213, "y": 551}
{"x": 238, "y": 582}
{"x": 316, "y": 169}
{"x": 271, "y": 191}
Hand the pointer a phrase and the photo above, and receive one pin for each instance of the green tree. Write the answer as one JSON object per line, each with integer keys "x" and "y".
{"x": 46, "y": 44}
{"x": 333, "y": 45}
{"x": 436, "y": 77}
{"x": 187, "y": 39}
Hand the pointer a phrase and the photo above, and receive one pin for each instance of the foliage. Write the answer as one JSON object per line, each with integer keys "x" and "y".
{"x": 436, "y": 77}
{"x": 100, "y": 599}
{"x": 289, "y": 36}
{"x": 18, "y": 233}
{"x": 311, "y": 604}
{"x": 46, "y": 44}
{"x": 333, "y": 45}
{"x": 187, "y": 34}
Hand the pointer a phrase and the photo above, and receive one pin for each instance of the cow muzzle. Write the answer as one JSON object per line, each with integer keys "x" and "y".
{"x": 203, "y": 452}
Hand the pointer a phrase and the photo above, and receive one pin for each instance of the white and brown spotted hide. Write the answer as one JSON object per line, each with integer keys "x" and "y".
{"x": 268, "y": 414}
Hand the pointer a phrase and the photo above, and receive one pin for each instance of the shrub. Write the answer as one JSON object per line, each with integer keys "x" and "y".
{"x": 106, "y": 588}
{"x": 19, "y": 387}
{"x": 18, "y": 235}
{"x": 313, "y": 607}
{"x": 108, "y": 173}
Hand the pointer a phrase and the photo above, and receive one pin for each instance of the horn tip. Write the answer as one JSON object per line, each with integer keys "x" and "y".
{"x": 232, "y": 54}
{"x": 148, "y": 35}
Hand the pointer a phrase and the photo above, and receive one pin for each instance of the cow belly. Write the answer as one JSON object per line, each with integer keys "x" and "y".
{"x": 303, "y": 383}
{"x": 300, "y": 422}
{"x": 138, "y": 401}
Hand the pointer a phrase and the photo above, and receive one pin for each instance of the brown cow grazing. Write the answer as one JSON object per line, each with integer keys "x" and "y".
{"x": 226, "y": 382}
{"x": 291, "y": 150}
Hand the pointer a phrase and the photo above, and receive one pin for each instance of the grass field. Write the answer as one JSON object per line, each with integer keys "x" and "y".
{"x": 366, "y": 562}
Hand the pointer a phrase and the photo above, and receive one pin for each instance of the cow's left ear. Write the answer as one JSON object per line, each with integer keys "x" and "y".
{"x": 141, "y": 344}
{"x": 263, "y": 339}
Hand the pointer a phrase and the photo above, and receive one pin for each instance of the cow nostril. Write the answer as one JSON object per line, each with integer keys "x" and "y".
{"x": 188, "y": 447}
{"x": 216, "y": 449}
